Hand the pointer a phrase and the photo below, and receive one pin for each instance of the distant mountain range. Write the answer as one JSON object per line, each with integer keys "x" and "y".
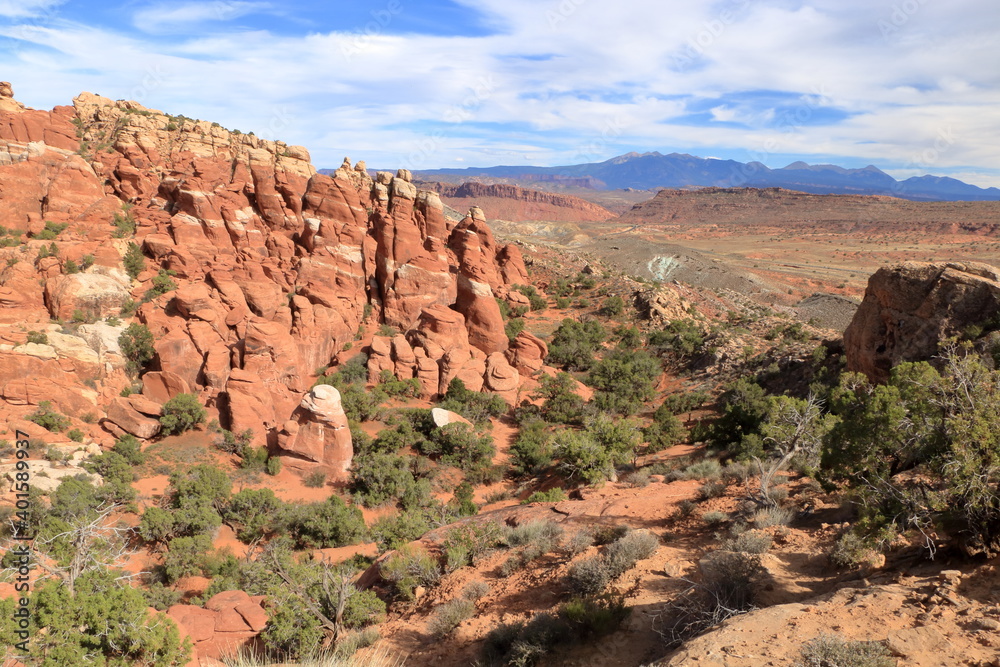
{"x": 646, "y": 171}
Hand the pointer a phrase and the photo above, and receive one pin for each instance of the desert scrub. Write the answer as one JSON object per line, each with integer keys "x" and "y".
{"x": 749, "y": 542}
{"x": 408, "y": 569}
{"x": 852, "y": 550}
{"x": 726, "y": 590}
{"x": 708, "y": 470}
{"x": 773, "y": 516}
{"x": 593, "y": 575}
{"x": 714, "y": 518}
{"x": 831, "y": 650}
{"x": 711, "y": 490}
{"x": 447, "y": 616}
{"x": 475, "y": 590}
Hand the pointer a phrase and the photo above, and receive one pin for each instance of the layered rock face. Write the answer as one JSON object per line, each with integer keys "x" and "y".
{"x": 910, "y": 308}
{"x": 509, "y": 202}
{"x": 275, "y": 266}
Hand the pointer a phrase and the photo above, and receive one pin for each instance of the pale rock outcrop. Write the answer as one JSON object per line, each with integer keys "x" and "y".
{"x": 95, "y": 295}
{"x": 320, "y": 433}
{"x": 442, "y": 417}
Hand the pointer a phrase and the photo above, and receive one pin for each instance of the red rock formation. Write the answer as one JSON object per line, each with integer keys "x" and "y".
{"x": 275, "y": 265}
{"x": 229, "y": 622}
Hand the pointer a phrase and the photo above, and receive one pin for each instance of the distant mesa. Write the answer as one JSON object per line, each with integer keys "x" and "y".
{"x": 653, "y": 170}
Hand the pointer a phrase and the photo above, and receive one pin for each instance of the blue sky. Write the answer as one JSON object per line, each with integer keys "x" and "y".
{"x": 912, "y": 86}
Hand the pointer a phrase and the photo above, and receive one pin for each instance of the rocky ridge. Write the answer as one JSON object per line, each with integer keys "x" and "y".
{"x": 512, "y": 203}
{"x": 269, "y": 267}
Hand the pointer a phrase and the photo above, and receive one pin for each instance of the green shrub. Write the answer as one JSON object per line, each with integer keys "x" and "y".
{"x": 136, "y": 344}
{"x": 575, "y": 343}
{"x": 363, "y": 608}
{"x": 461, "y": 446}
{"x": 182, "y": 413}
{"x": 595, "y": 616}
{"x": 134, "y": 261}
{"x": 327, "y": 524}
{"x": 160, "y": 597}
{"x": 682, "y": 338}
{"x": 538, "y": 302}
{"x": 582, "y": 457}
{"x": 513, "y": 328}
{"x": 590, "y": 576}
{"x": 613, "y": 306}
{"x": 377, "y": 478}
{"x": 315, "y": 480}
{"x": 624, "y": 379}
{"x": 475, "y": 590}
{"x": 852, "y": 550}
{"x": 253, "y": 458}
{"x": 48, "y": 418}
{"x": 129, "y": 448}
{"x": 253, "y": 512}
{"x": 76, "y": 435}
{"x": 553, "y": 495}
{"x": 51, "y": 230}
{"x": 593, "y": 575}
{"x": 772, "y": 516}
{"x": 156, "y": 525}
{"x": 393, "y": 532}
{"x": 475, "y": 406}
{"x": 707, "y": 469}
{"x": 186, "y": 556}
{"x": 273, "y": 466}
{"x": 711, "y": 490}
{"x": 162, "y": 283}
{"x": 124, "y": 225}
{"x": 408, "y": 569}
{"x": 830, "y": 650}
{"x": 531, "y": 452}
{"x": 562, "y": 404}
{"x": 70, "y": 267}
{"x": 37, "y": 337}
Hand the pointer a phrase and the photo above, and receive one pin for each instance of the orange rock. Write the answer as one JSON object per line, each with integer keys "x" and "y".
{"x": 527, "y": 353}
{"x": 161, "y": 386}
{"x": 121, "y": 413}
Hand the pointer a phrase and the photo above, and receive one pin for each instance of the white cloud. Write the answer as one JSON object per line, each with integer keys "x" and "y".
{"x": 179, "y": 15}
{"x": 19, "y": 9}
{"x": 613, "y": 75}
